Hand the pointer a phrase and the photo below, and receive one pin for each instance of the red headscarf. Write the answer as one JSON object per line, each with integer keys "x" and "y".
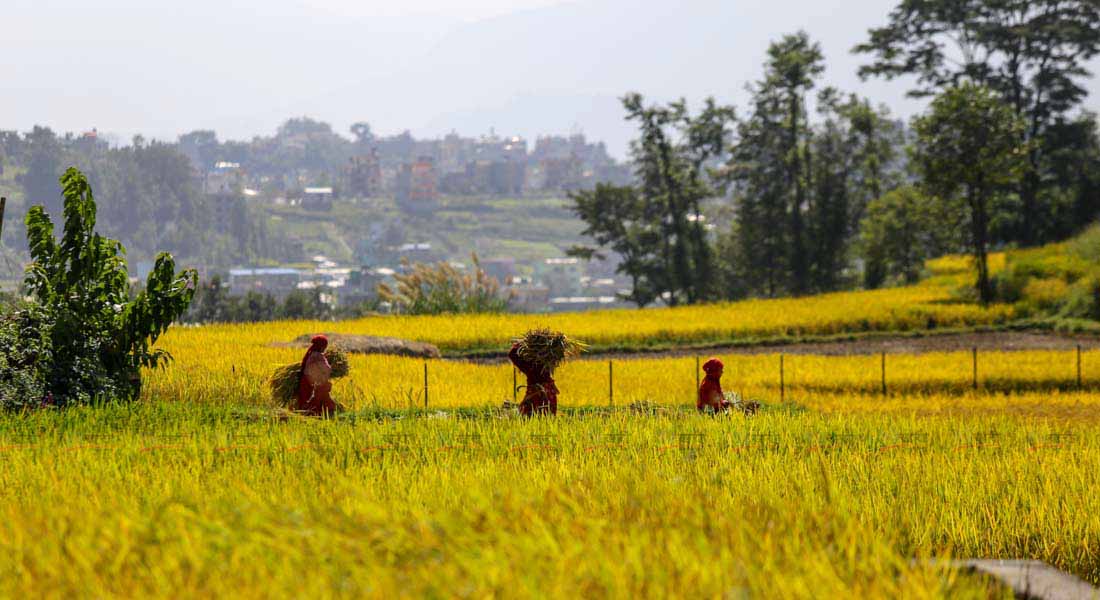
{"x": 712, "y": 366}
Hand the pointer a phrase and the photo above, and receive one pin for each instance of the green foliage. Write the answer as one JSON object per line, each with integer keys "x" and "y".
{"x": 99, "y": 337}
{"x": 42, "y": 156}
{"x": 443, "y": 289}
{"x": 970, "y": 150}
{"x": 658, "y": 226}
{"x": 900, "y": 231}
{"x": 154, "y": 201}
{"x": 801, "y": 189}
{"x": 619, "y": 219}
{"x": 214, "y": 304}
{"x": 24, "y": 343}
{"x": 1031, "y": 54}
{"x": 1059, "y": 281}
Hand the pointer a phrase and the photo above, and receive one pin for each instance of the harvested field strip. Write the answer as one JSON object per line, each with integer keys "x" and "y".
{"x": 394, "y": 382}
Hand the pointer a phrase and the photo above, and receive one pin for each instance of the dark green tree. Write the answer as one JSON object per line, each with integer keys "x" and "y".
{"x": 801, "y": 189}
{"x": 757, "y": 172}
{"x": 302, "y": 304}
{"x": 1031, "y": 52}
{"x": 618, "y": 219}
{"x": 662, "y": 236}
{"x": 970, "y": 149}
{"x": 669, "y": 157}
{"x": 793, "y": 65}
{"x": 202, "y": 147}
{"x": 900, "y": 231}
{"x": 43, "y": 156}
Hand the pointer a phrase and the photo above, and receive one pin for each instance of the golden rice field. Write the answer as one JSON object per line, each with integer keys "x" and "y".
{"x": 217, "y": 365}
{"x": 834, "y": 490}
{"x": 929, "y": 305}
{"x": 187, "y": 500}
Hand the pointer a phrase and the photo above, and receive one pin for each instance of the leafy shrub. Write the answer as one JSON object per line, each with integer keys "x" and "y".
{"x": 443, "y": 289}
{"x": 98, "y": 337}
{"x": 24, "y": 343}
{"x": 1083, "y": 301}
{"x": 1087, "y": 244}
{"x": 1055, "y": 280}
{"x": 1048, "y": 293}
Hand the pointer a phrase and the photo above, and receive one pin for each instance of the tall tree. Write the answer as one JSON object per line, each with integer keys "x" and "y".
{"x": 854, "y": 160}
{"x": 1031, "y": 52}
{"x": 44, "y": 155}
{"x": 658, "y": 226}
{"x": 669, "y": 157}
{"x": 618, "y": 219}
{"x": 801, "y": 188}
{"x": 202, "y": 147}
{"x": 793, "y": 65}
{"x": 756, "y": 171}
{"x": 970, "y": 149}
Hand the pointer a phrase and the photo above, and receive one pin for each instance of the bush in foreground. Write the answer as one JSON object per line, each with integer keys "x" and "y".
{"x": 82, "y": 337}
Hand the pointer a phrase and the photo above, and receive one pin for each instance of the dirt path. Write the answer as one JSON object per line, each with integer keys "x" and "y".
{"x": 953, "y": 342}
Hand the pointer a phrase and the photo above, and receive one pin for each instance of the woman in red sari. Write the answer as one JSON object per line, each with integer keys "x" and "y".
{"x": 314, "y": 386}
{"x": 710, "y": 391}
{"x": 542, "y": 395}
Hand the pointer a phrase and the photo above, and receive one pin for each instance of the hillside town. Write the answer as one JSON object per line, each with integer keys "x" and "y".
{"x": 306, "y": 178}
{"x": 417, "y": 174}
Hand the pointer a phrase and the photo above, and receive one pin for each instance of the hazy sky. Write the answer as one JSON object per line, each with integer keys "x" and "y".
{"x": 520, "y": 66}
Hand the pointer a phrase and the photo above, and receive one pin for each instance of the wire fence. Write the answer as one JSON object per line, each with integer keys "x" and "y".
{"x": 883, "y": 374}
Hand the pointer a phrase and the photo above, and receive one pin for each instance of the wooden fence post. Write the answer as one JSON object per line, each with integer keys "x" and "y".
{"x": 1078, "y": 366}
{"x": 974, "y": 361}
{"x": 3, "y": 203}
{"x": 883, "y": 373}
{"x": 610, "y": 383}
{"x": 782, "y": 382}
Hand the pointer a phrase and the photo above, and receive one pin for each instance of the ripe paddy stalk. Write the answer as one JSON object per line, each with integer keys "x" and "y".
{"x": 137, "y": 500}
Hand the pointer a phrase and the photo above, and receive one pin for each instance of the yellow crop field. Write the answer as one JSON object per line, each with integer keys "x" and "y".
{"x": 914, "y": 308}
{"x": 149, "y": 500}
{"x": 218, "y": 364}
{"x": 837, "y": 488}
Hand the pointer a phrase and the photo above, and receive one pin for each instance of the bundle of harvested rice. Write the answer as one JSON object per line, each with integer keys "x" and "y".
{"x": 548, "y": 349}
{"x": 284, "y": 382}
{"x": 746, "y": 407}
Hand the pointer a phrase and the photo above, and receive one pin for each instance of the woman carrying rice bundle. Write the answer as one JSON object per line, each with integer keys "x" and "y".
{"x": 537, "y": 354}
{"x": 314, "y": 385}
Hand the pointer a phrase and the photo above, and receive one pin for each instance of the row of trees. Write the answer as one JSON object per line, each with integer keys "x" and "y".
{"x": 842, "y": 194}
{"x": 214, "y": 304}
{"x": 154, "y": 200}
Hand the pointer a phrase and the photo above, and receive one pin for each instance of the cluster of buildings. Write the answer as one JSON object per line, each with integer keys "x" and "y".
{"x": 416, "y": 173}
{"x": 550, "y": 285}
{"x": 490, "y": 165}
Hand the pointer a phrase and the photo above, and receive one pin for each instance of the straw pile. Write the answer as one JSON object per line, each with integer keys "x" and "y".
{"x": 746, "y": 407}
{"x": 548, "y": 349}
{"x": 284, "y": 382}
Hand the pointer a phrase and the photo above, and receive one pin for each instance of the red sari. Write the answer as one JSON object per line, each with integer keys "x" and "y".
{"x": 314, "y": 387}
{"x": 542, "y": 394}
{"x": 710, "y": 391}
